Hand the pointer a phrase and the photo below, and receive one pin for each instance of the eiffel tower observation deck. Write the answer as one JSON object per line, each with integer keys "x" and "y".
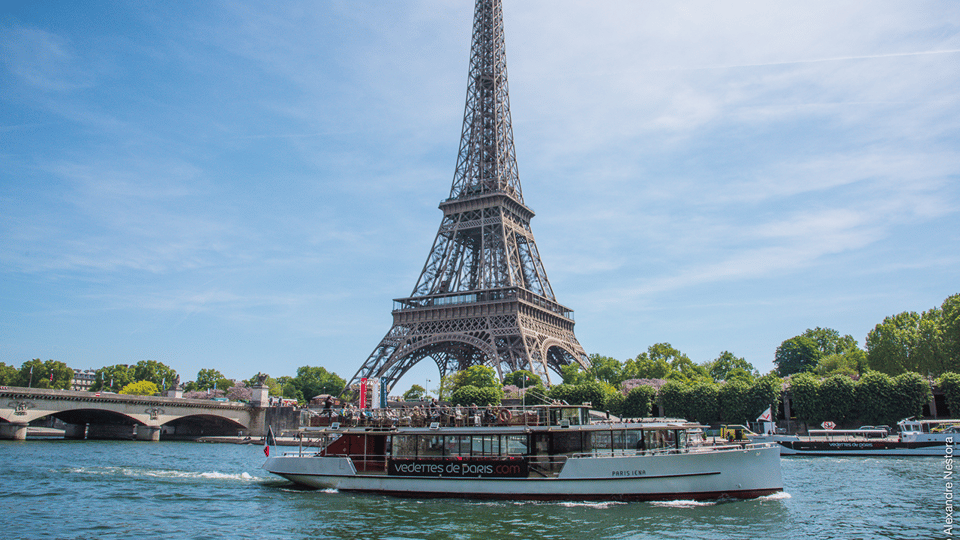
{"x": 483, "y": 297}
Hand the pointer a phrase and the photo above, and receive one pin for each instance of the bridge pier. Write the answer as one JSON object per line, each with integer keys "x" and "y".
{"x": 260, "y": 401}
{"x": 75, "y": 431}
{"x": 13, "y": 431}
{"x": 110, "y": 432}
{"x": 148, "y": 433}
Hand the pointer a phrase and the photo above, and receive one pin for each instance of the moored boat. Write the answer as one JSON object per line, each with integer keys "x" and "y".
{"x": 538, "y": 453}
{"x": 915, "y": 438}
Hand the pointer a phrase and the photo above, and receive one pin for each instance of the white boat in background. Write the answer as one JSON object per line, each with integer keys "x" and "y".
{"x": 915, "y": 438}
{"x": 538, "y": 453}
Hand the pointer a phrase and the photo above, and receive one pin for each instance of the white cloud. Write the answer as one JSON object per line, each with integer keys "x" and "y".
{"x": 43, "y": 60}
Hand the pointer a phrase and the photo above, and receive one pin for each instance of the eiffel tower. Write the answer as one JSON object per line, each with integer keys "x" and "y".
{"x": 483, "y": 297}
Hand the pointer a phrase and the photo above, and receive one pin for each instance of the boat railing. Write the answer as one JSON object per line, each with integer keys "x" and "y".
{"x": 436, "y": 416}
{"x": 603, "y": 452}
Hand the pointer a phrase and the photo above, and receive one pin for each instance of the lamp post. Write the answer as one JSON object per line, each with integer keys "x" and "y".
{"x": 426, "y": 389}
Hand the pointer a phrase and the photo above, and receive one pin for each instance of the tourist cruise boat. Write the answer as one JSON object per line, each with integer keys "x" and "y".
{"x": 915, "y": 438}
{"x": 538, "y": 453}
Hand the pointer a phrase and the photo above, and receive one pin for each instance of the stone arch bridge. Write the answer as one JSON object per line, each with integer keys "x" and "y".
{"x": 113, "y": 416}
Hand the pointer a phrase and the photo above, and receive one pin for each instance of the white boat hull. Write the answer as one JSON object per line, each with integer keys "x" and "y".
{"x": 707, "y": 474}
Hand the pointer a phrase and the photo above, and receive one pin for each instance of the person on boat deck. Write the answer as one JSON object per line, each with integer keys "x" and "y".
{"x": 327, "y": 405}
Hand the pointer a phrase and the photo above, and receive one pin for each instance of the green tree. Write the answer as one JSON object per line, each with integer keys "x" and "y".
{"x": 732, "y": 398}
{"x": 725, "y": 364}
{"x": 912, "y": 392}
{"x": 876, "y": 398}
{"x": 829, "y": 340}
{"x": 927, "y": 343}
{"x": 313, "y": 381}
{"x": 644, "y": 367}
{"x": 156, "y": 372}
{"x": 892, "y": 344}
{"x": 665, "y": 351}
{"x": 950, "y": 333}
{"x": 415, "y": 393}
{"x": 468, "y": 395}
{"x": 675, "y": 398}
{"x": 639, "y": 402}
{"x": 796, "y": 355}
{"x": 606, "y": 369}
{"x": 8, "y": 375}
{"x": 837, "y": 399}
{"x": 704, "y": 406}
{"x": 207, "y": 377}
{"x": 572, "y": 374}
{"x": 140, "y": 388}
{"x": 288, "y": 388}
{"x": 931, "y": 351}
{"x": 49, "y": 374}
{"x": 850, "y": 362}
{"x": 614, "y": 403}
{"x": 522, "y": 379}
{"x": 691, "y": 371}
{"x": 805, "y": 391}
{"x": 738, "y": 374}
{"x": 592, "y": 392}
{"x": 949, "y": 384}
{"x": 562, "y": 392}
{"x": 480, "y": 377}
{"x": 112, "y": 378}
{"x": 764, "y": 392}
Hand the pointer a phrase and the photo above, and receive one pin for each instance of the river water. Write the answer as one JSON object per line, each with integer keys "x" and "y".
{"x": 103, "y": 489}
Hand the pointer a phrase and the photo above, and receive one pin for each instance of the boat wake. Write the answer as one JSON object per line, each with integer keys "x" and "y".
{"x": 682, "y": 503}
{"x": 588, "y": 504}
{"x": 776, "y": 496}
{"x": 565, "y": 504}
{"x": 161, "y": 473}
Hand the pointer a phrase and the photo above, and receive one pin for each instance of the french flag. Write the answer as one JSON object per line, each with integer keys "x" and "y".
{"x": 270, "y": 441}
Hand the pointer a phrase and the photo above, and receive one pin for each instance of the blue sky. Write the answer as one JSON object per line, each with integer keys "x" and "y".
{"x": 247, "y": 186}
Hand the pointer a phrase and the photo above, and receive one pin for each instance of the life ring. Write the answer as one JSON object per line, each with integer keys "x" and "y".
{"x": 504, "y": 416}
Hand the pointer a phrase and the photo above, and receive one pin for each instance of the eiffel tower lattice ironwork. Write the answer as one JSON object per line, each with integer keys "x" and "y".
{"x": 483, "y": 297}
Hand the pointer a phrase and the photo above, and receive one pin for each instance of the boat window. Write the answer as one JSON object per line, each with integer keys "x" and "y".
{"x": 601, "y": 440}
{"x": 486, "y": 445}
{"x": 630, "y": 439}
{"x": 515, "y": 445}
{"x": 458, "y": 445}
{"x": 619, "y": 439}
{"x": 681, "y": 439}
{"x": 658, "y": 439}
{"x": 566, "y": 442}
{"x": 573, "y": 415}
{"x": 565, "y": 416}
{"x": 430, "y": 446}
{"x": 404, "y": 445}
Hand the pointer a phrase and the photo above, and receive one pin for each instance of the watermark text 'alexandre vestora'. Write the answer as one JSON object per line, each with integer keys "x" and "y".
{"x": 948, "y": 488}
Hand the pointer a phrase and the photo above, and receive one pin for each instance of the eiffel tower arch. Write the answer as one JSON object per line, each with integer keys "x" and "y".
{"x": 483, "y": 297}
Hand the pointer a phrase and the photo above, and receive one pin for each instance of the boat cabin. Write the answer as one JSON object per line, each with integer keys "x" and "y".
{"x": 506, "y": 449}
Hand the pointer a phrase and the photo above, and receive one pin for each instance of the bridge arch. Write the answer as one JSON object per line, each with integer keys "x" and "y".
{"x": 92, "y": 415}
